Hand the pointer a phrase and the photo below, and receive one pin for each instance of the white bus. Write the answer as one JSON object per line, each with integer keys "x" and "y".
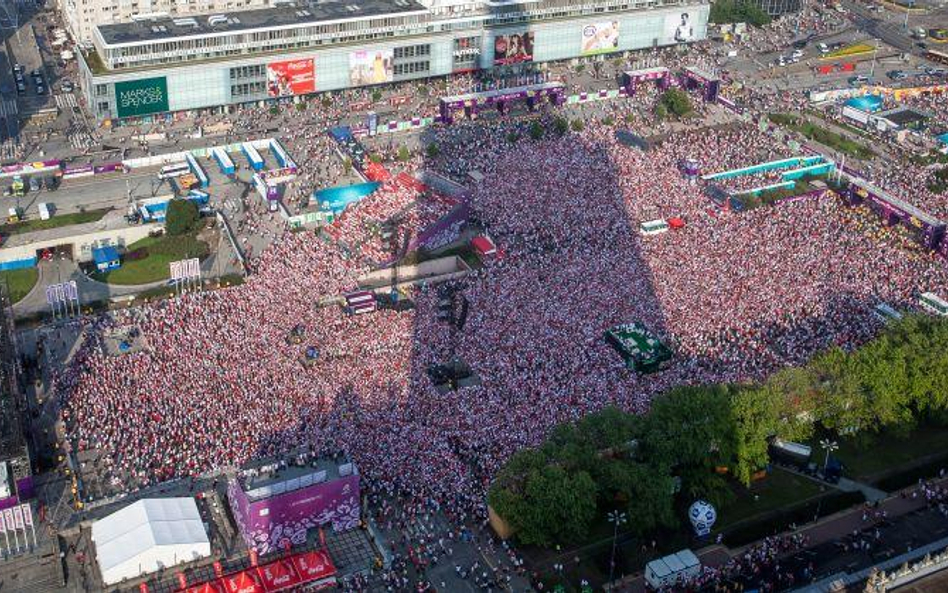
{"x": 174, "y": 170}
{"x": 932, "y": 302}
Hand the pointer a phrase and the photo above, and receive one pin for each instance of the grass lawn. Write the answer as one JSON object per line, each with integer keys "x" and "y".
{"x": 147, "y": 260}
{"x": 20, "y": 282}
{"x": 780, "y": 489}
{"x": 37, "y": 224}
{"x": 822, "y": 135}
{"x": 888, "y": 453}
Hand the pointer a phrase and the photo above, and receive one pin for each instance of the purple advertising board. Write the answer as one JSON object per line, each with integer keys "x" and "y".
{"x": 8, "y": 502}
{"x": 81, "y": 171}
{"x": 25, "y": 489}
{"x": 108, "y": 168}
{"x": 266, "y": 523}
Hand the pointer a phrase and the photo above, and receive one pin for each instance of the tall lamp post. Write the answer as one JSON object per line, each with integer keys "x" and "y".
{"x": 617, "y": 518}
{"x": 828, "y": 446}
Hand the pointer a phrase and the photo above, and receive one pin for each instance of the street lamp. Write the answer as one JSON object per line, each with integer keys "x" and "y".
{"x": 617, "y": 518}
{"x": 828, "y": 446}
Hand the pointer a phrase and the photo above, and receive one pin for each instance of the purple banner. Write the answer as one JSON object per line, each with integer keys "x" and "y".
{"x": 25, "y": 489}
{"x": 30, "y": 167}
{"x": 265, "y": 523}
{"x": 83, "y": 171}
{"x": 8, "y": 502}
{"x": 444, "y": 231}
{"x": 108, "y": 168}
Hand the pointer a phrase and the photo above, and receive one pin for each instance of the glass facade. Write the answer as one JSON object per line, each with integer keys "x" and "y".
{"x": 779, "y": 7}
{"x": 242, "y": 79}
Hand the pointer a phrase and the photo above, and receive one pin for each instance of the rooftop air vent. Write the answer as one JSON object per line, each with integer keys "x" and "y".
{"x": 186, "y": 22}
{"x": 216, "y": 19}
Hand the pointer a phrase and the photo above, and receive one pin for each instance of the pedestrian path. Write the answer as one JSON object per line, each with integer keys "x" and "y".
{"x": 66, "y": 101}
{"x": 8, "y": 107}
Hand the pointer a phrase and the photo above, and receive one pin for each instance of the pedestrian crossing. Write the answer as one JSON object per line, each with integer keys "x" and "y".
{"x": 66, "y": 101}
{"x": 8, "y": 107}
{"x": 79, "y": 136}
{"x": 9, "y": 150}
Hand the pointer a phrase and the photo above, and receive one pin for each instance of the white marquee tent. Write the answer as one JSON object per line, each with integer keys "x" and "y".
{"x": 148, "y": 535}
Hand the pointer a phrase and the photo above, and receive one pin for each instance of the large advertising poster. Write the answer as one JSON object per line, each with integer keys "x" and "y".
{"x": 680, "y": 27}
{"x": 600, "y": 38}
{"x": 292, "y": 77}
{"x": 371, "y": 67}
{"x": 141, "y": 97}
{"x": 513, "y": 48}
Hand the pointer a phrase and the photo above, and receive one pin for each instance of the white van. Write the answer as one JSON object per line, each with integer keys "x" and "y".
{"x": 44, "y": 211}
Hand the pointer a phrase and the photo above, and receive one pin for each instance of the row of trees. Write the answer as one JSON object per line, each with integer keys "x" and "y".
{"x": 738, "y": 11}
{"x": 645, "y": 465}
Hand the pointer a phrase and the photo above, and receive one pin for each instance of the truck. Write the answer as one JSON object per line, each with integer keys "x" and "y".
{"x": 18, "y": 187}
{"x": 44, "y": 211}
{"x": 672, "y": 571}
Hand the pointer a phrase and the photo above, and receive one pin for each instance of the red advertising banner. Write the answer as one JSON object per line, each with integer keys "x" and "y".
{"x": 293, "y": 77}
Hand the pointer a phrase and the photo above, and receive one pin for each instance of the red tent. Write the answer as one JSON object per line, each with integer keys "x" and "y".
{"x": 209, "y": 587}
{"x": 483, "y": 246}
{"x": 314, "y": 565}
{"x": 279, "y": 575}
{"x": 243, "y": 582}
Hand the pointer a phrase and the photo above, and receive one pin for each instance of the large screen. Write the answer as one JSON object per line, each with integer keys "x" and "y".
{"x": 513, "y": 48}
{"x": 371, "y": 67}
{"x": 292, "y": 77}
{"x": 141, "y": 97}
{"x": 680, "y": 27}
{"x": 600, "y": 38}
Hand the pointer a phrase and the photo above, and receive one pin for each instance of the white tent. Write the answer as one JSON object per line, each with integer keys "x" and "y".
{"x": 148, "y": 535}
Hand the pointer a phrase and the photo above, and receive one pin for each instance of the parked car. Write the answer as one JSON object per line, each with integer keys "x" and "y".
{"x": 822, "y": 48}
{"x": 35, "y": 184}
{"x": 67, "y": 86}
{"x": 40, "y": 89}
{"x": 858, "y": 79}
{"x": 797, "y": 54}
{"x": 896, "y": 74}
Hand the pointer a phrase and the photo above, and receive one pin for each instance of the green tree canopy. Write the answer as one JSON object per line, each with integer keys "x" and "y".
{"x": 182, "y": 217}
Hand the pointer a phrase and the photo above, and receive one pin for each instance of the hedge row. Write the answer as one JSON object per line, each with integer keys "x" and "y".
{"x": 747, "y": 533}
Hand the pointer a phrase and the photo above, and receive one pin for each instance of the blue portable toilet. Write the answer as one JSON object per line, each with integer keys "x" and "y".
{"x": 106, "y": 258}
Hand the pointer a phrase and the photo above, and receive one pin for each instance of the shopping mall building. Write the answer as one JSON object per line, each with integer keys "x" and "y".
{"x": 161, "y": 64}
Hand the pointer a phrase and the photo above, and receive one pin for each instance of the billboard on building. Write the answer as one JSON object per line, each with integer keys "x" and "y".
{"x": 141, "y": 97}
{"x": 600, "y": 38}
{"x": 292, "y": 77}
{"x": 513, "y": 48}
{"x": 371, "y": 67}
{"x": 681, "y": 27}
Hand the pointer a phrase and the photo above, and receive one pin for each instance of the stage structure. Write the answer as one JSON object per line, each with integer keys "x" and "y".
{"x": 924, "y": 228}
{"x": 471, "y": 103}
{"x": 693, "y": 78}
{"x": 631, "y": 79}
{"x": 641, "y": 350}
{"x": 275, "y": 503}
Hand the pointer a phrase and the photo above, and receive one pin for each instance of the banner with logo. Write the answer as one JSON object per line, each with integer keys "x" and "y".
{"x": 513, "y": 48}
{"x": 292, "y": 77}
{"x": 600, "y": 38}
{"x": 680, "y": 27}
{"x": 141, "y": 97}
{"x": 371, "y": 67}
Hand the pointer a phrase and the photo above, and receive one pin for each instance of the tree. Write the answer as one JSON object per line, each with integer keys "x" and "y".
{"x": 756, "y": 415}
{"x": 737, "y": 11}
{"x": 376, "y": 95}
{"x": 536, "y": 130}
{"x": 403, "y": 153}
{"x": 182, "y": 217}
{"x": 661, "y": 112}
{"x": 577, "y": 125}
{"x": 433, "y": 150}
{"x": 560, "y": 125}
{"x": 677, "y": 102}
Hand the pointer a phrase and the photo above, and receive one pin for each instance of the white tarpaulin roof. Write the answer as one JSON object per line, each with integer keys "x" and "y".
{"x": 148, "y": 535}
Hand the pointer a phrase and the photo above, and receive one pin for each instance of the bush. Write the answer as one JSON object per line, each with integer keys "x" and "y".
{"x": 608, "y": 120}
{"x": 376, "y": 95}
{"x": 403, "y": 154}
{"x": 577, "y": 125}
{"x": 182, "y": 217}
{"x": 746, "y": 533}
{"x": 512, "y": 137}
{"x": 433, "y": 150}
{"x": 274, "y": 110}
{"x": 375, "y": 158}
{"x": 301, "y": 106}
{"x": 661, "y": 112}
{"x": 911, "y": 476}
{"x": 327, "y": 101}
{"x": 560, "y": 125}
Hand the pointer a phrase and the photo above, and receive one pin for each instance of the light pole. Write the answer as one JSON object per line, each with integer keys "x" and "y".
{"x": 617, "y": 518}
{"x": 828, "y": 446}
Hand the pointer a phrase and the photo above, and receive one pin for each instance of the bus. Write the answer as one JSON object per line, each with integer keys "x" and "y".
{"x": 175, "y": 170}
{"x": 933, "y": 303}
{"x": 936, "y": 56}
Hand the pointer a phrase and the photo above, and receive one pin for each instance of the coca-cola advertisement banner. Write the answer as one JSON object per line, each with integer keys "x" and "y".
{"x": 292, "y": 77}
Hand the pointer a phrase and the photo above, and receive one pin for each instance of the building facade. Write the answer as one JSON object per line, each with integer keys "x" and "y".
{"x": 165, "y": 65}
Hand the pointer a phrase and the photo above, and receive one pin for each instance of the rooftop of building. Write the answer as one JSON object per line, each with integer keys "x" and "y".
{"x": 293, "y": 14}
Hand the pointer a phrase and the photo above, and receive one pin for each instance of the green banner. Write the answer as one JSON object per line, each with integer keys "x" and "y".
{"x": 141, "y": 97}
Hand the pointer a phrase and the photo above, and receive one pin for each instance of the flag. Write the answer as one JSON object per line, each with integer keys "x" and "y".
{"x": 8, "y": 515}
{"x": 18, "y": 517}
{"x": 27, "y": 514}
{"x": 72, "y": 290}
{"x": 175, "y": 270}
{"x": 51, "y": 294}
{"x": 3, "y": 524}
{"x": 218, "y": 570}
{"x": 182, "y": 581}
